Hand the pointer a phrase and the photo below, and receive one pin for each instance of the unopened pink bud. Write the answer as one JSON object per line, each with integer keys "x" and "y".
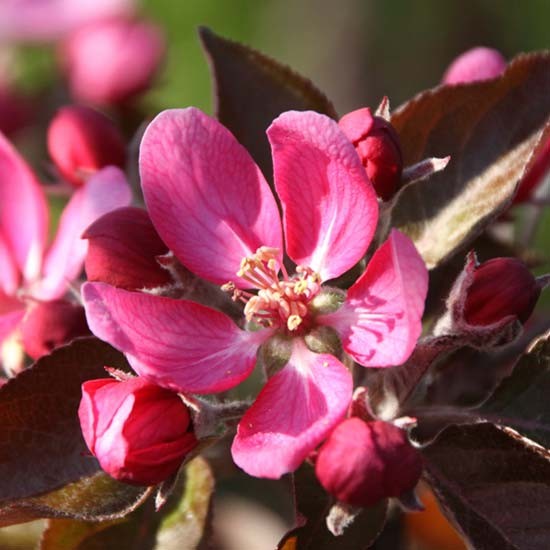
{"x": 48, "y": 325}
{"x": 475, "y": 64}
{"x": 501, "y": 287}
{"x": 122, "y": 249}
{"x": 363, "y": 462}
{"x": 110, "y": 62}
{"x": 139, "y": 432}
{"x": 377, "y": 144}
{"x": 81, "y": 141}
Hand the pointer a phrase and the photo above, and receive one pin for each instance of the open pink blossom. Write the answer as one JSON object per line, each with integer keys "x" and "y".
{"x": 213, "y": 208}
{"x": 47, "y": 20}
{"x": 31, "y": 271}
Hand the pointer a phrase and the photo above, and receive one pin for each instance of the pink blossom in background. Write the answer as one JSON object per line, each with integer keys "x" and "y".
{"x": 476, "y": 64}
{"x": 49, "y": 20}
{"x": 112, "y": 61}
{"x": 32, "y": 271}
{"x": 139, "y": 432}
{"x": 213, "y": 208}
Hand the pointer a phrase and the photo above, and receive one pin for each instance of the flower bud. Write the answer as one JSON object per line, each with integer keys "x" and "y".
{"x": 122, "y": 249}
{"x": 48, "y": 325}
{"x": 473, "y": 65}
{"x": 377, "y": 144}
{"x": 109, "y": 62}
{"x": 81, "y": 141}
{"x": 363, "y": 462}
{"x": 139, "y": 432}
{"x": 501, "y": 287}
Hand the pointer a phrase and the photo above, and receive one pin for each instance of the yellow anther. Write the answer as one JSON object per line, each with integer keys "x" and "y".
{"x": 300, "y": 286}
{"x": 293, "y": 322}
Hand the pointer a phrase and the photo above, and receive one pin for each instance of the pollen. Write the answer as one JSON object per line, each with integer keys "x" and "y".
{"x": 281, "y": 300}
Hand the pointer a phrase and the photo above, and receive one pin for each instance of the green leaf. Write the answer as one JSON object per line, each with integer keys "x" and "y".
{"x": 491, "y": 130}
{"x": 521, "y": 401}
{"x": 313, "y": 505}
{"x": 493, "y": 485}
{"x": 190, "y": 520}
{"x": 252, "y": 89}
{"x": 181, "y": 524}
{"x": 94, "y": 498}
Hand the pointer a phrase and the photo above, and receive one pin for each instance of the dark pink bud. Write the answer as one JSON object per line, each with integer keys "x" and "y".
{"x": 81, "y": 141}
{"x": 475, "y": 64}
{"x": 122, "y": 249}
{"x": 377, "y": 144}
{"x": 111, "y": 61}
{"x": 48, "y": 325}
{"x": 363, "y": 462}
{"x": 501, "y": 287}
{"x": 139, "y": 432}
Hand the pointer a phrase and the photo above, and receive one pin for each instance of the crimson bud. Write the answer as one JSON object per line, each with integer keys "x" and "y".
{"x": 363, "y": 462}
{"x": 81, "y": 141}
{"x": 501, "y": 287}
{"x": 377, "y": 144}
{"x": 139, "y": 432}
{"x": 48, "y": 325}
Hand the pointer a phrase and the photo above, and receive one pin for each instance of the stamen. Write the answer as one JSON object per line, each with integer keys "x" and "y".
{"x": 293, "y": 322}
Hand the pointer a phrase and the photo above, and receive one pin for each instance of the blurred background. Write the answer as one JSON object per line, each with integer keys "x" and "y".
{"x": 355, "y": 51}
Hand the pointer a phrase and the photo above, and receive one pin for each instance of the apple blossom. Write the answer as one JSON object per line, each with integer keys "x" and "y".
{"x": 213, "y": 208}
{"x": 139, "y": 432}
{"x": 31, "y": 271}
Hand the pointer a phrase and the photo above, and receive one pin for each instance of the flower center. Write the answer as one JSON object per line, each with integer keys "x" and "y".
{"x": 279, "y": 302}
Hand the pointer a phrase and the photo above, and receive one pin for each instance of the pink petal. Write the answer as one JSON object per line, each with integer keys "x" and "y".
{"x": 23, "y": 211}
{"x": 380, "y": 320}
{"x": 9, "y": 274}
{"x": 207, "y": 199}
{"x": 178, "y": 344}
{"x": 293, "y": 413}
{"x": 103, "y": 192}
{"x": 329, "y": 206}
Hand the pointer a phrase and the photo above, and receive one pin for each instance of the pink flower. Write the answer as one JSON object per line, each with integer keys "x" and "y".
{"x": 213, "y": 208}
{"x": 81, "y": 141}
{"x": 363, "y": 462}
{"x": 46, "y": 20}
{"x": 112, "y": 61}
{"x": 139, "y": 432}
{"x": 32, "y": 271}
{"x": 475, "y": 64}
